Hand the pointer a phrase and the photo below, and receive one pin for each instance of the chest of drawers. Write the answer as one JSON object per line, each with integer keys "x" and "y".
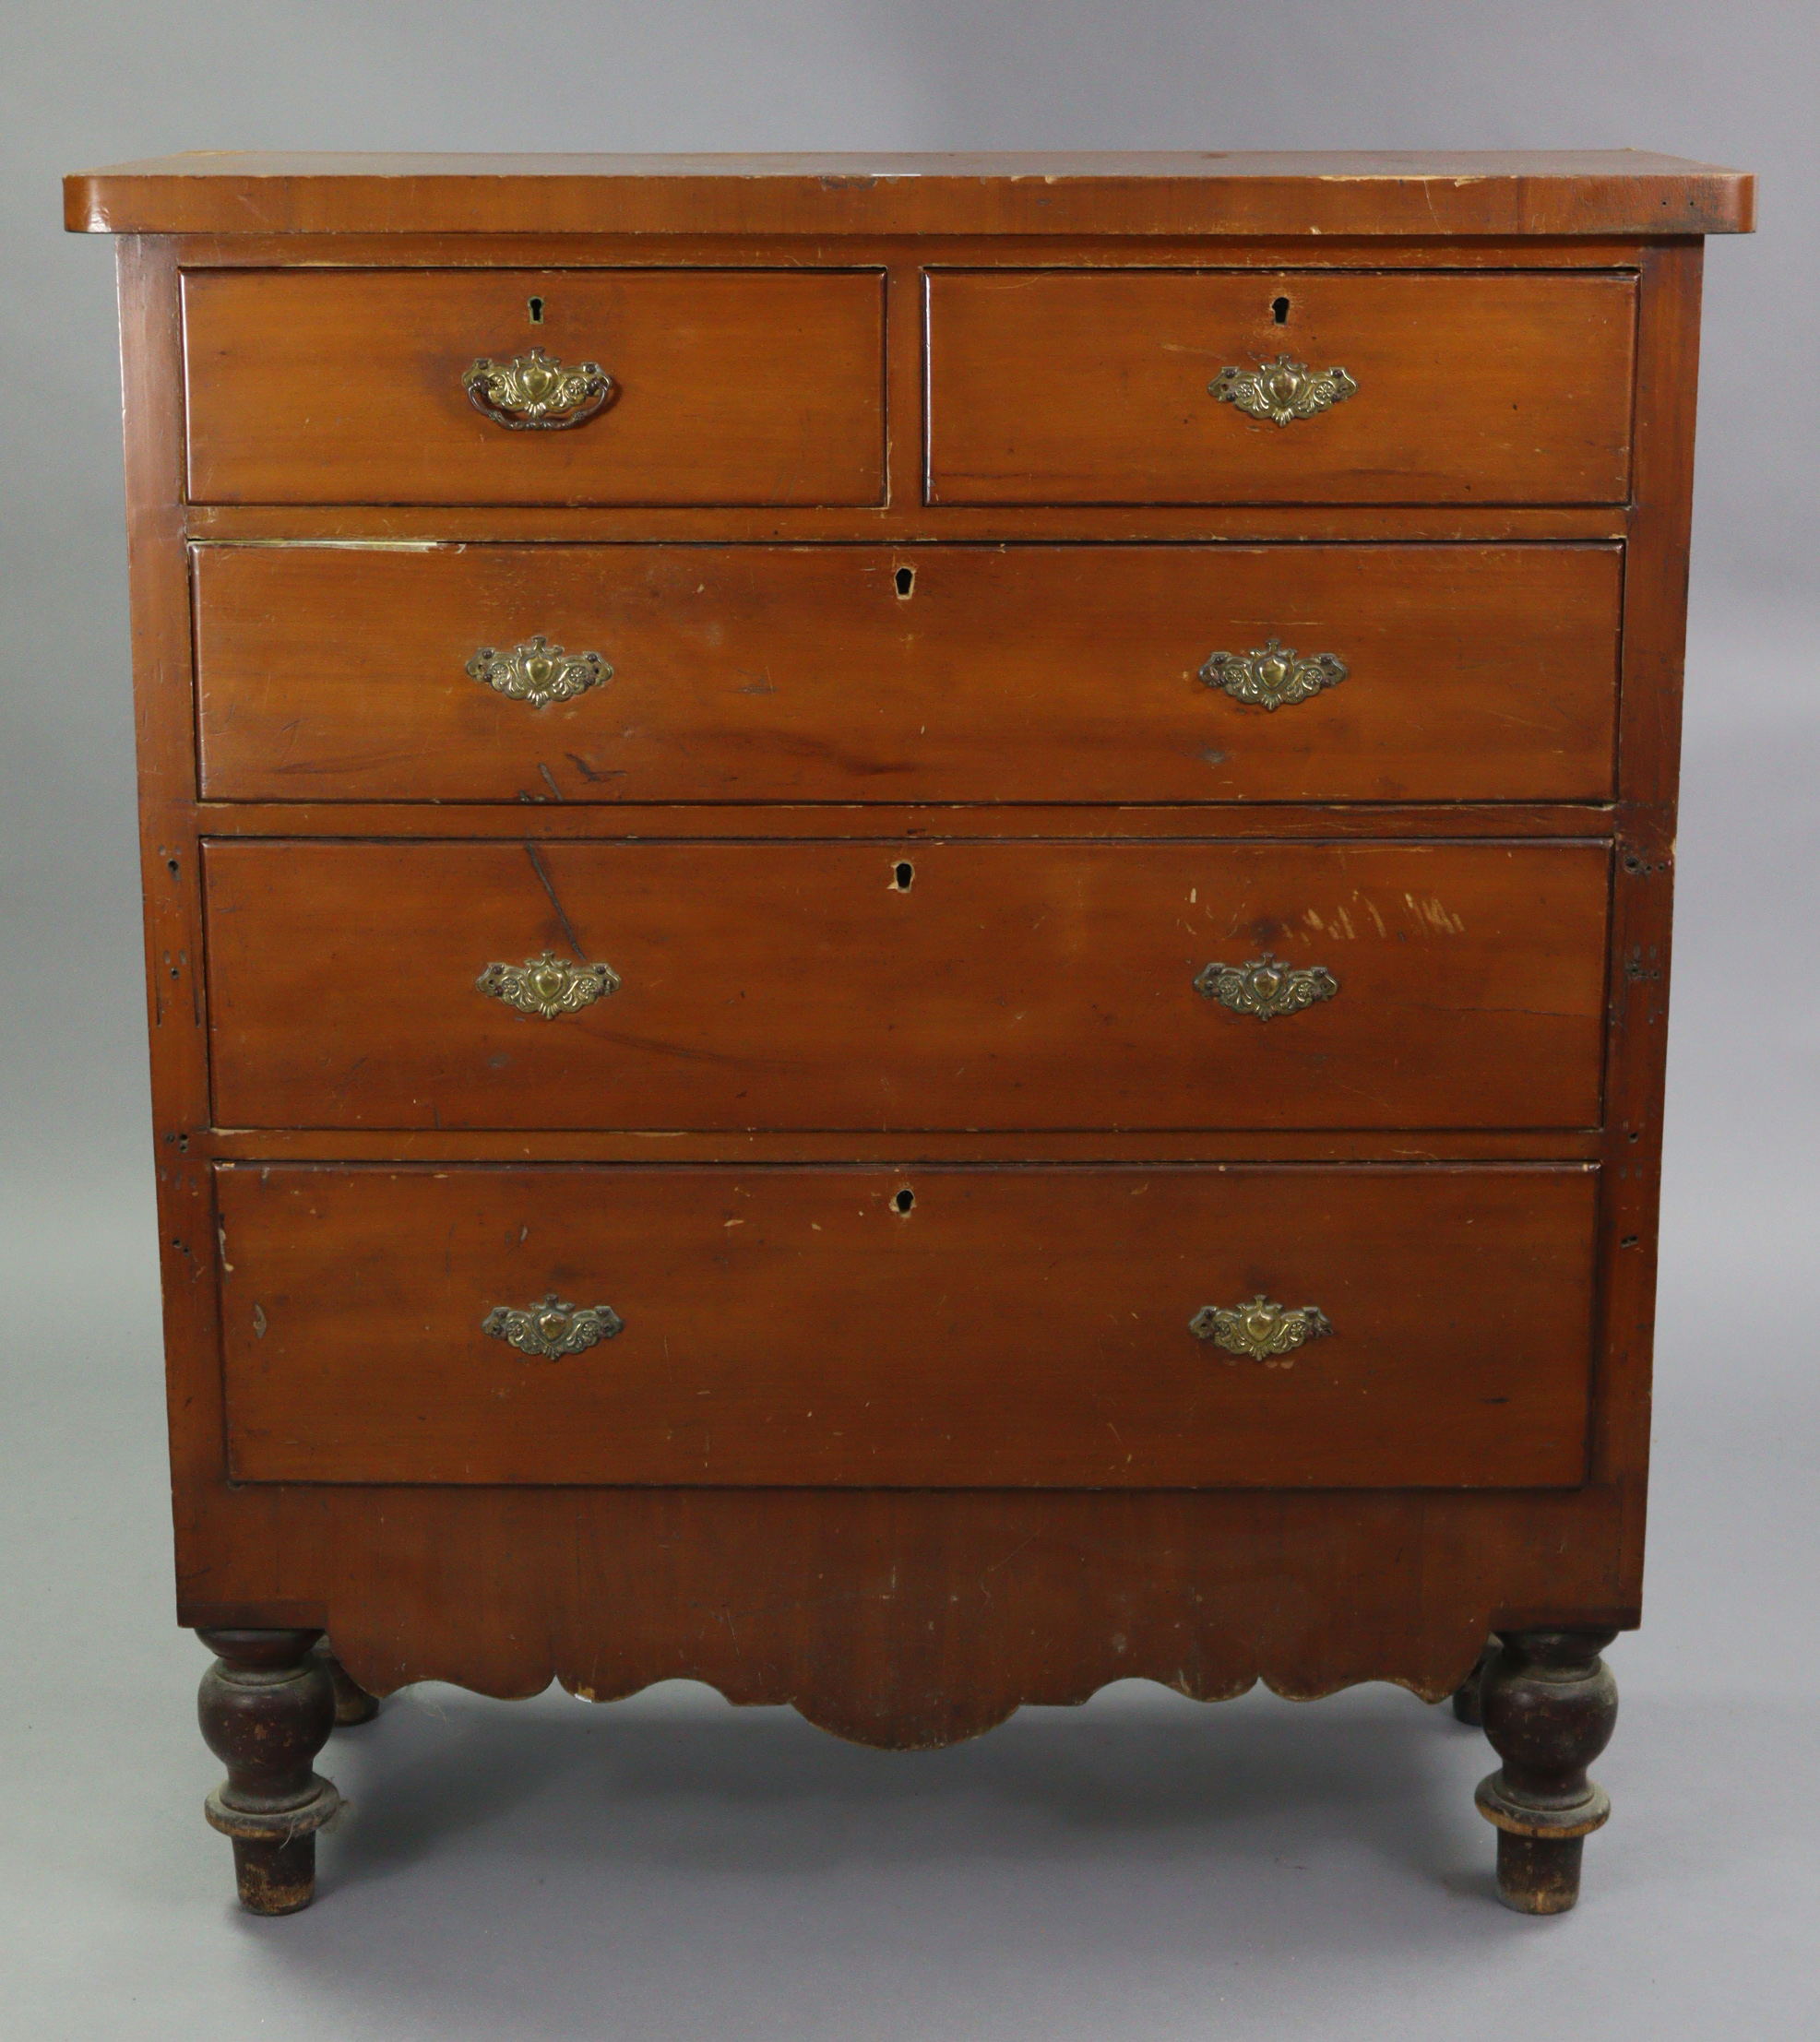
{"x": 906, "y": 928}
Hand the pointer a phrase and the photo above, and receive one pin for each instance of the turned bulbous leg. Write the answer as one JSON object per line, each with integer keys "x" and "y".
{"x": 1548, "y": 1703}
{"x": 352, "y": 1704}
{"x": 266, "y": 1706}
{"x": 1466, "y": 1696}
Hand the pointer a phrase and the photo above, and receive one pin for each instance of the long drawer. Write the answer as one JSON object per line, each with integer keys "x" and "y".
{"x": 943, "y": 673}
{"x": 353, "y": 386}
{"x": 1364, "y": 1326}
{"x": 968, "y": 984}
{"x": 1107, "y": 386}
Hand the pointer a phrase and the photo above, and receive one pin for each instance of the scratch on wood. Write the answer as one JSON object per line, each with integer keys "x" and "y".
{"x": 1432, "y": 914}
{"x": 543, "y": 880}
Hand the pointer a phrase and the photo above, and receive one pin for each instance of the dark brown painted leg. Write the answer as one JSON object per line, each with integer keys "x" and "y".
{"x": 352, "y": 1704}
{"x": 1466, "y": 1696}
{"x": 266, "y": 1706}
{"x": 1550, "y": 1703}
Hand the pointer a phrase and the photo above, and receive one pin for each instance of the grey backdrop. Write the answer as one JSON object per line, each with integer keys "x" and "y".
{"x": 671, "y": 1868}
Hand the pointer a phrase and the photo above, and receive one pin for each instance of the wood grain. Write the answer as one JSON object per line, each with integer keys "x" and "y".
{"x": 1204, "y": 192}
{"x": 1010, "y": 1327}
{"x": 1012, "y": 985}
{"x": 736, "y": 386}
{"x": 552, "y": 820}
{"x": 761, "y": 1146}
{"x": 612, "y": 249}
{"x": 1075, "y": 387}
{"x": 907, "y": 520}
{"x": 1643, "y": 882}
{"x": 943, "y": 673}
{"x": 903, "y": 1617}
{"x": 171, "y": 868}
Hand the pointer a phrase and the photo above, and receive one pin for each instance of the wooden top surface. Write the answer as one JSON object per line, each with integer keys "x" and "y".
{"x": 1611, "y": 192}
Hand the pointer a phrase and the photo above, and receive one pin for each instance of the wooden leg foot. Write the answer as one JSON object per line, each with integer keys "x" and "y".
{"x": 275, "y": 1879}
{"x": 266, "y": 1706}
{"x": 1539, "y": 1875}
{"x": 1466, "y": 1696}
{"x": 1549, "y": 1704}
{"x": 352, "y": 1704}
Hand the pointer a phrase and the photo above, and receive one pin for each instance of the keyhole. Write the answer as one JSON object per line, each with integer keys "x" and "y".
{"x": 537, "y": 312}
{"x": 1280, "y": 311}
{"x": 905, "y": 1199}
{"x": 905, "y": 581}
{"x": 902, "y": 873}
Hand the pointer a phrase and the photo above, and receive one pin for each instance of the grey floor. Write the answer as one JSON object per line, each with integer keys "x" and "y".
{"x": 673, "y": 1867}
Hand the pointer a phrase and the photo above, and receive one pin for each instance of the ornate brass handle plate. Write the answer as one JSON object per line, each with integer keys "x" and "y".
{"x": 534, "y": 393}
{"x": 1268, "y": 1331}
{"x": 539, "y": 672}
{"x": 1270, "y": 674}
{"x": 549, "y": 985}
{"x": 1266, "y": 986}
{"x": 1282, "y": 390}
{"x": 552, "y": 1329}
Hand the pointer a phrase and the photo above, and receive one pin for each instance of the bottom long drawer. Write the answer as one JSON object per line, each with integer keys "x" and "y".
{"x": 1196, "y": 1326}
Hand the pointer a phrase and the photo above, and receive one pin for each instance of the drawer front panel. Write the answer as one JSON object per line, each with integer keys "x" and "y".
{"x": 1015, "y": 674}
{"x": 906, "y": 985}
{"x": 1058, "y": 386}
{"x": 1012, "y": 1327}
{"x": 734, "y": 387}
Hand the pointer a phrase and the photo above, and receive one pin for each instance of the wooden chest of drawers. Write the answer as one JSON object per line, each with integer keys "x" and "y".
{"x": 906, "y": 927}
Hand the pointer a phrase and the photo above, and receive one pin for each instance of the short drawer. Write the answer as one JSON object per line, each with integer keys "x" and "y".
{"x": 968, "y": 984}
{"x": 943, "y": 1328}
{"x": 1082, "y": 386}
{"x": 939, "y": 674}
{"x": 346, "y": 386}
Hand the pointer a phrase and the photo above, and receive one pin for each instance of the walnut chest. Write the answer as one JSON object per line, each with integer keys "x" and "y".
{"x": 908, "y": 927}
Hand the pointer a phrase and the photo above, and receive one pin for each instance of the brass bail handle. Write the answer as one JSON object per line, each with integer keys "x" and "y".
{"x": 1273, "y": 674}
{"x": 1282, "y": 390}
{"x": 534, "y": 392}
{"x": 1267, "y": 987}
{"x": 548, "y": 986}
{"x": 1261, "y": 1328}
{"x": 537, "y": 672}
{"x": 548, "y": 1331}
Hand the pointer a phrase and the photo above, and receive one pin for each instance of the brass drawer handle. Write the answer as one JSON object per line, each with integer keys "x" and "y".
{"x": 552, "y": 1329}
{"x": 539, "y": 672}
{"x": 1282, "y": 390}
{"x": 1266, "y": 986}
{"x": 1269, "y": 1332}
{"x": 1270, "y": 674}
{"x": 548, "y": 985}
{"x": 533, "y": 393}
